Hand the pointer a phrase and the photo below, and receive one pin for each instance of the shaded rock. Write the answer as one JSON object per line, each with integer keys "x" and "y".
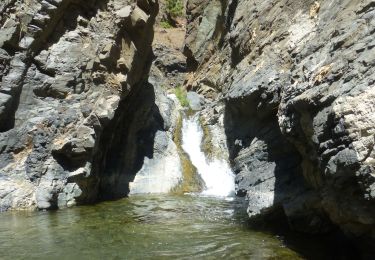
{"x": 60, "y": 88}
{"x": 163, "y": 172}
{"x": 297, "y": 80}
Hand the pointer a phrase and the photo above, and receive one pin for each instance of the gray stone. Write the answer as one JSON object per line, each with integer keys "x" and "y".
{"x": 8, "y": 33}
{"x": 195, "y": 101}
{"x": 124, "y": 12}
{"x": 54, "y": 115}
{"x": 298, "y": 84}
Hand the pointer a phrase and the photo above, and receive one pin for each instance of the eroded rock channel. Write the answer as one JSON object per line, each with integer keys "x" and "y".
{"x": 115, "y": 98}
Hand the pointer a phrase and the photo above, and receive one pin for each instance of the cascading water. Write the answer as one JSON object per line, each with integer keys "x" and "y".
{"x": 216, "y": 174}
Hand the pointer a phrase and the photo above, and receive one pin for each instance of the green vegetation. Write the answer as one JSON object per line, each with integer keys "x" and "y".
{"x": 175, "y": 7}
{"x": 165, "y": 24}
{"x": 181, "y": 95}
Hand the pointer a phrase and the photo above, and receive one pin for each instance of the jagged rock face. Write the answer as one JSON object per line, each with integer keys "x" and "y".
{"x": 297, "y": 78}
{"x": 161, "y": 169}
{"x": 169, "y": 66}
{"x": 70, "y": 72}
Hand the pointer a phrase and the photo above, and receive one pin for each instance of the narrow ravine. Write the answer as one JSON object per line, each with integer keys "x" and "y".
{"x": 216, "y": 174}
{"x": 187, "y": 129}
{"x": 210, "y": 224}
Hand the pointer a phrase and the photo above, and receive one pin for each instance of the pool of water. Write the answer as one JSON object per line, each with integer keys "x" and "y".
{"x": 140, "y": 227}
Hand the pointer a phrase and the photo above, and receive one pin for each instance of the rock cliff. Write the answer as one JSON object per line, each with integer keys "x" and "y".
{"x": 296, "y": 79}
{"x": 289, "y": 88}
{"x": 74, "y": 100}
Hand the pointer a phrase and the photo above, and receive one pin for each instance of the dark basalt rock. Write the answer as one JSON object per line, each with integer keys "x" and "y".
{"x": 297, "y": 79}
{"x": 54, "y": 110}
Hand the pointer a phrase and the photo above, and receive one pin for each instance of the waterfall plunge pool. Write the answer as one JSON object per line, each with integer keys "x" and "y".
{"x": 140, "y": 227}
{"x": 210, "y": 225}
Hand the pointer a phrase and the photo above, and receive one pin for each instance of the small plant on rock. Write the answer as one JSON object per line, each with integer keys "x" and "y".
{"x": 175, "y": 8}
{"x": 165, "y": 24}
{"x": 181, "y": 95}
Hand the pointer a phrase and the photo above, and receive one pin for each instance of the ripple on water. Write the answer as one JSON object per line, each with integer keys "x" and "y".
{"x": 154, "y": 227}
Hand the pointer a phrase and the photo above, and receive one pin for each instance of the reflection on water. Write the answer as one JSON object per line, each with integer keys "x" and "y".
{"x": 152, "y": 227}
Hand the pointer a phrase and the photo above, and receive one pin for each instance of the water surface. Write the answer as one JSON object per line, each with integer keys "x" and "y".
{"x": 140, "y": 227}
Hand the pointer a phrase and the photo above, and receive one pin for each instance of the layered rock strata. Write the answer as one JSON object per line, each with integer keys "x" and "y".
{"x": 74, "y": 127}
{"x": 297, "y": 82}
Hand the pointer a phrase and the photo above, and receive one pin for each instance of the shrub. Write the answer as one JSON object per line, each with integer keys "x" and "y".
{"x": 165, "y": 24}
{"x": 175, "y": 7}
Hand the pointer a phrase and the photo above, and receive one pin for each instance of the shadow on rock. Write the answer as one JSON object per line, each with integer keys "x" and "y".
{"x": 126, "y": 141}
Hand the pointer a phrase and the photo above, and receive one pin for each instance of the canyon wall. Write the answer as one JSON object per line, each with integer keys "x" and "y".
{"x": 289, "y": 90}
{"x": 77, "y": 116}
{"x": 296, "y": 80}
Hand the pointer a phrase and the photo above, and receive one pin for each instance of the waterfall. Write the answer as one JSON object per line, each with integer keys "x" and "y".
{"x": 217, "y": 174}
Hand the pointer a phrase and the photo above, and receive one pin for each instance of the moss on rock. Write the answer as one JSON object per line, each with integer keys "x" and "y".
{"x": 192, "y": 181}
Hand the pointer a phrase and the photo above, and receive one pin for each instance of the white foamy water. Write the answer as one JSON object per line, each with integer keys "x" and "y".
{"x": 217, "y": 174}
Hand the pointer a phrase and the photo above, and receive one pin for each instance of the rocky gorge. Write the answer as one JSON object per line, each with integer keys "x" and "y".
{"x": 295, "y": 79}
{"x": 71, "y": 72}
{"x": 284, "y": 91}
